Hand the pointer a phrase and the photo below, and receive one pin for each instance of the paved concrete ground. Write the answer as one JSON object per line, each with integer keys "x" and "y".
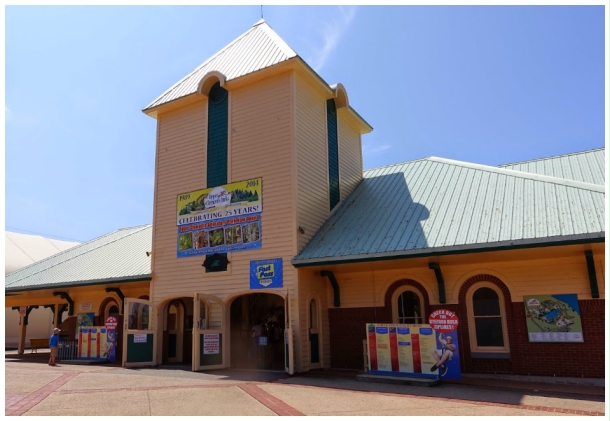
{"x": 34, "y": 388}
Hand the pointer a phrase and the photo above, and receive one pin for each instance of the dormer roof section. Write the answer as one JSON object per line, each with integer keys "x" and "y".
{"x": 258, "y": 48}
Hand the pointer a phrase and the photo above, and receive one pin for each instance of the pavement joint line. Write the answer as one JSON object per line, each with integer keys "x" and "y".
{"x": 32, "y": 399}
{"x": 457, "y": 400}
{"x": 273, "y": 403}
{"x": 143, "y": 389}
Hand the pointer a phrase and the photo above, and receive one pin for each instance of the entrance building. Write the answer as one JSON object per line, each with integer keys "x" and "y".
{"x": 262, "y": 207}
{"x": 272, "y": 249}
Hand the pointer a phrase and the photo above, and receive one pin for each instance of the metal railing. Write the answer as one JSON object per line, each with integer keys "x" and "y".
{"x": 67, "y": 350}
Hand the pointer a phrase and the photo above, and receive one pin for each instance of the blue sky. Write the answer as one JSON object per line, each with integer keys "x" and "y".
{"x": 484, "y": 84}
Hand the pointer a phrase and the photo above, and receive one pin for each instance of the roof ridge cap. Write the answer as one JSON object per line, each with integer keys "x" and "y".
{"x": 139, "y": 228}
{"x": 397, "y": 163}
{"x": 552, "y": 157}
{"x": 218, "y": 53}
{"x": 523, "y": 174}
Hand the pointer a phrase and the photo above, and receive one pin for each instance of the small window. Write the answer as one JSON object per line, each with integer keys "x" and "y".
{"x": 313, "y": 314}
{"x": 487, "y": 318}
{"x": 407, "y": 306}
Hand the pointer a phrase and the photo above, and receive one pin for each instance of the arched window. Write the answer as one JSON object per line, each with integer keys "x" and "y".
{"x": 487, "y": 318}
{"x": 408, "y": 306}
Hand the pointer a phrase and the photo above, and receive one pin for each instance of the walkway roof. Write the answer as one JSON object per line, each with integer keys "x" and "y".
{"x": 116, "y": 257}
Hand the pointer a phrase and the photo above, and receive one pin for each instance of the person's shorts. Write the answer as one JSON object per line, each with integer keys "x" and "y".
{"x": 54, "y": 351}
{"x": 440, "y": 352}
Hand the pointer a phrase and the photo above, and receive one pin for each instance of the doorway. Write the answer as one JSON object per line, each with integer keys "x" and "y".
{"x": 257, "y": 332}
{"x": 178, "y": 332}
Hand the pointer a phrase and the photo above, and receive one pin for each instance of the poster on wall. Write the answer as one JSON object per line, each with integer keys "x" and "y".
{"x": 111, "y": 340}
{"x": 553, "y": 318}
{"x": 221, "y": 219}
{"x": 84, "y": 320}
{"x": 412, "y": 351}
{"x": 211, "y": 343}
{"x": 93, "y": 343}
{"x": 266, "y": 274}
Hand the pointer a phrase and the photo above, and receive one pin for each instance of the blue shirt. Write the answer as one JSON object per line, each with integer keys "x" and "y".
{"x": 54, "y": 341}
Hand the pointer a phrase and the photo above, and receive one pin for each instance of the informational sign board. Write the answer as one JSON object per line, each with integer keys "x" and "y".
{"x": 262, "y": 341}
{"x": 266, "y": 274}
{"x": 412, "y": 351}
{"x": 111, "y": 339}
{"x": 221, "y": 219}
{"x": 93, "y": 343}
{"x": 211, "y": 343}
{"x": 140, "y": 338}
{"x": 85, "y": 306}
{"x": 553, "y": 318}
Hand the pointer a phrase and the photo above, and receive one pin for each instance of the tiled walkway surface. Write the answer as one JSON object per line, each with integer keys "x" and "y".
{"x": 34, "y": 388}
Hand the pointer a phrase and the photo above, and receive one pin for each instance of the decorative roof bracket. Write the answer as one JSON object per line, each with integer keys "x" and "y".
{"x": 335, "y": 285}
{"x": 592, "y": 274}
{"x": 65, "y": 296}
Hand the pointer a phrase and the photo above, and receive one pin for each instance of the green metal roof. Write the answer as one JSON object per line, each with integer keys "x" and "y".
{"x": 588, "y": 166}
{"x": 440, "y": 206}
{"x": 118, "y": 256}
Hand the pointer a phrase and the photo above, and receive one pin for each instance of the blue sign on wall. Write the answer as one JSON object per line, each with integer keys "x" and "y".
{"x": 266, "y": 274}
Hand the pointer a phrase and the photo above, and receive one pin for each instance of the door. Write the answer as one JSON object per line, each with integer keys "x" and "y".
{"x": 139, "y": 335}
{"x": 314, "y": 336}
{"x": 208, "y": 344}
{"x": 288, "y": 339}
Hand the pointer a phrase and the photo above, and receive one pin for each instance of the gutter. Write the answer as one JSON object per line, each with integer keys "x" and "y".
{"x": 124, "y": 279}
{"x": 587, "y": 239}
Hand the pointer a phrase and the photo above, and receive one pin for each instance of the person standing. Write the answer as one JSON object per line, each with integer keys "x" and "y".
{"x": 54, "y": 345}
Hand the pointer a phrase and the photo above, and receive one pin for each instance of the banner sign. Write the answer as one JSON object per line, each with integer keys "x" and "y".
{"x": 211, "y": 343}
{"x": 412, "y": 351}
{"x": 229, "y": 200}
{"x": 230, "y": 234}
{"x": 94, "y": 343}
{"x": 266, "y": 274}
{"x": 220, "y": 219}
{"x": 140, "y": 338}
{"x": 553, "y": 318}
{"x": 110, "y": 348}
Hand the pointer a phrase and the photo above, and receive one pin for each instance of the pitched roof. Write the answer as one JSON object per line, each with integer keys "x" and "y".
{"x": 120, "y": 255}
{"x": 588, "y": 166}
{"x": 25, "y": 249}
{"x": 256, "y": 49}
{"x": 434, "y": 205}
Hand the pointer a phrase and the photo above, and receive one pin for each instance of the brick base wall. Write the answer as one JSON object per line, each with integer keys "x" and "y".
{"x": 347, "y": 331}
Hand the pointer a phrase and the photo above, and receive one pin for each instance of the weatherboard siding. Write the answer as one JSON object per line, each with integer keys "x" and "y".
{"x": 313, "y": 286}
{"x": 312, "y": 158}
{"x": 539, "y": 274}
{"x": 350, "y": 154}
{"x": 259, "y": 146}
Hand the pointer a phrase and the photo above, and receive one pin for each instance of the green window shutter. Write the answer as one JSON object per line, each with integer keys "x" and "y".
{"x": 218, "y": 130}
{"x": 333, "y": 153}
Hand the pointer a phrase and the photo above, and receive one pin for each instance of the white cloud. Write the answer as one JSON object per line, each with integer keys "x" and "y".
{"x": 375, "y": 150}
{"x": 332, "y": 33}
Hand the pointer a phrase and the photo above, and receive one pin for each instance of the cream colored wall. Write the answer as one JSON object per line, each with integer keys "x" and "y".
{"x": 312, "y": 159}
{"x": 260, "y": 146}
{"x": 350, "y": 154}
{"x": 312, "y": 286}
{"x": 524, "y": 272}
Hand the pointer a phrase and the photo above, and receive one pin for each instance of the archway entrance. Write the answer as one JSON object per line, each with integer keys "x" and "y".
{"x": 257, "y": 327}
{"x": 178, "y": 332}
